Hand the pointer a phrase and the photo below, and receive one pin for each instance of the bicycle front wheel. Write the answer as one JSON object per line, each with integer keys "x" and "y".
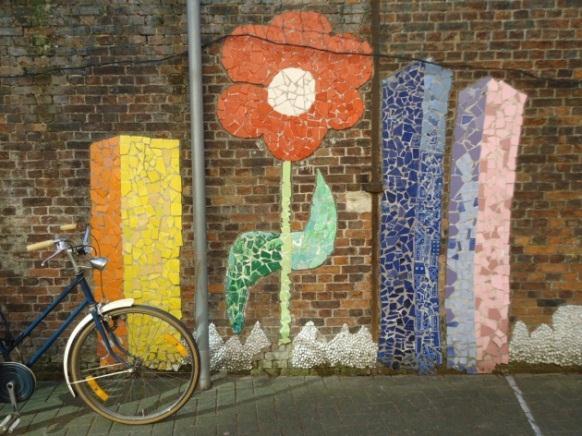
{"x": 151, "y": 372}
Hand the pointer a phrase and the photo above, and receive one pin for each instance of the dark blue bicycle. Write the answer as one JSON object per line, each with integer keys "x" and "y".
{"x": 130, "y": 363}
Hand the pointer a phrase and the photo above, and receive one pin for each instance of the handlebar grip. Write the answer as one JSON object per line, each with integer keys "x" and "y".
{"x": 68, "y": 227}
{"x": 40, "y": 245}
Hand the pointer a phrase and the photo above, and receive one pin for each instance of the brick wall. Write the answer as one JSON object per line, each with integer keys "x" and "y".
{"x": 48, "y": 121}
{"x": 542, "y": 36}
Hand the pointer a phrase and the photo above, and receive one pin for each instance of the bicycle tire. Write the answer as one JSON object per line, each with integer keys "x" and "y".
{"x": 112, "y": 394}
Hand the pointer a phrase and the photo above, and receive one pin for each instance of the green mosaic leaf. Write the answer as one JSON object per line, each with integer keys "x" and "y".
{"x": 314, "y": 245}
{"x": 258, "y": 254}
{"x": 252, "y": 256}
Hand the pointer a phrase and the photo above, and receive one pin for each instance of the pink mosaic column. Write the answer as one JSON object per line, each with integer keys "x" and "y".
{"x": 501, "y": 132}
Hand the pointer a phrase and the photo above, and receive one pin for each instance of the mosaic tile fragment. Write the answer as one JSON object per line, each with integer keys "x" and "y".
{"x": 401, "y": 131}
{"x": 313, "y": 246}
{"x": 232, "y": 355}
{"x": 252, "y": 256}
{"x": 355, "y": 350}
{"x": 151, "y": 221}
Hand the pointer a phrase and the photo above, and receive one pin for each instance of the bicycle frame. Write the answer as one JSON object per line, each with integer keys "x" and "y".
{"x": 89, "y": 300}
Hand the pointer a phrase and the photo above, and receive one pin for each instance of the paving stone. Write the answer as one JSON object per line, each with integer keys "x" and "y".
{"x": 206, "y": 430}
{"x": 100, "y": 425}
{"x": 554, "y": 401}
{"x": 183, "y": 423}
{"x": 404, "y": 405}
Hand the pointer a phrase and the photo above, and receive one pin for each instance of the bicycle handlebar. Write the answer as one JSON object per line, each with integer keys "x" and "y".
{"x": 49, "y": 242}
{"x": 63, "y": 245}
{"x": 41, "y": 245}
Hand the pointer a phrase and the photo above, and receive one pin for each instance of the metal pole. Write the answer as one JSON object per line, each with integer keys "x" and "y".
{"x": 375, "y": 187}
{"x": 198, "y": 187}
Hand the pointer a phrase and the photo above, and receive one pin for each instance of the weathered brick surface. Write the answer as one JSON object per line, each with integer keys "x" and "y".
{"x": 48, "y": 121}
{"x": 542, "y": 37}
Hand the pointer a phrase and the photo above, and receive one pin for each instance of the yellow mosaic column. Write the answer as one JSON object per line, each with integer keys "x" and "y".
{"x": 151, "y": 223}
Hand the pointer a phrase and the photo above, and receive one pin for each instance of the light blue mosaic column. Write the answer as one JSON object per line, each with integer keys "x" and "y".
{"x": 463, "y": 209}
{"x": 427, "y": 231}
{"x": 414, "y": 102}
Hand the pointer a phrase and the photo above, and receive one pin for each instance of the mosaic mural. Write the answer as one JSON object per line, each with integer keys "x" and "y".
{"x": 136, "y": 215}
{"x": 487, "y": 131}
{"x": 414, "y": 105}
{"x": 294, "y": 80}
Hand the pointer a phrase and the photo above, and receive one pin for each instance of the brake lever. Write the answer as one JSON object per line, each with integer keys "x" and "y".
{"x": 61, "y": 246}
{"x": 56, "y": 253}
{"x": 86, "y": 236}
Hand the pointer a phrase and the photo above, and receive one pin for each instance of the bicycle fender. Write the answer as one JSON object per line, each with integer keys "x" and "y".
{"x": 118, "y": 304}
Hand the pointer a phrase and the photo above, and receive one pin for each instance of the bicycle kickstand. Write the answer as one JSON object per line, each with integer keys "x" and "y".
{"x": 13, "y": 419}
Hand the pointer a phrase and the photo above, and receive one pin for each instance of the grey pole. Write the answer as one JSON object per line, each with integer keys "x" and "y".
{"x": 198, "y": 187}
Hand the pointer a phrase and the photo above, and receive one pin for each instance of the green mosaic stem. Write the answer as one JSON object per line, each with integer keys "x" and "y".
{"x": 286, "y": 253}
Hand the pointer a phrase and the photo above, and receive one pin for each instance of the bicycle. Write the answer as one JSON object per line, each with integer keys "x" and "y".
{"x": 130, "y": 363}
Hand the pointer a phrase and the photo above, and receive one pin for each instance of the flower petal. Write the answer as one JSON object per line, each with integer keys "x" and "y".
{"x": 293, "y": 138}
{"x": 354, "y": 70}
{"x": 240, "y": 109}
{"x": 341, "y": 108}
{"x": 300, "y": 40}
{"x": 248, "y": 59}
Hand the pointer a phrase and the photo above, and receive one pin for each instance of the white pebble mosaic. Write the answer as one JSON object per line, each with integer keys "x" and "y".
{"x": 561, "y": 345}
{"x": 345, "y": 349}
{"x": 309, "y": 350}
{"x": 232, "y": 355}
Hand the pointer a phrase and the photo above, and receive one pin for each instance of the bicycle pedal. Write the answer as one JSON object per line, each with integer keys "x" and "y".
{"x": 9, "y": 424}
{"x": 14, "y": 425}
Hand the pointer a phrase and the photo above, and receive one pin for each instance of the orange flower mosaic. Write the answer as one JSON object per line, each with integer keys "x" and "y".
{"x": 297, "y": 81}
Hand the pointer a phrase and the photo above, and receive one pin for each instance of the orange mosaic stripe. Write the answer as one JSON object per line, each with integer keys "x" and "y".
{"x": 106, "y": 215}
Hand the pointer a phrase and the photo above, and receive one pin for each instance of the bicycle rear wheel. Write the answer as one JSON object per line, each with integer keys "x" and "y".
{"x": 152, "y": 373}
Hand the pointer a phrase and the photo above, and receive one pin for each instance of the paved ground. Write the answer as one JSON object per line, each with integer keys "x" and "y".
{"x": 400, "y": 405}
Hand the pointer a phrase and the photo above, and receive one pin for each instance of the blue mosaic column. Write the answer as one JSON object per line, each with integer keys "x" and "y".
{"x": 414, "y": 103}
{"x": 463, "y": 209}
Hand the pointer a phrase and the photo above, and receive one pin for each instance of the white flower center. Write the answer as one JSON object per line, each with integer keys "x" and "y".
{"x": 292, "y": 91}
